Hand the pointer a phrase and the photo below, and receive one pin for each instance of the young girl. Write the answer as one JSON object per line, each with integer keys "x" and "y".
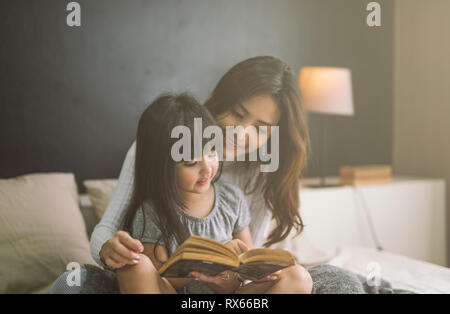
{"x": 172, "y": 200}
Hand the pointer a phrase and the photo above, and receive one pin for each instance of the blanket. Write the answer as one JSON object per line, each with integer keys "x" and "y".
{"x": 328, "y": 279}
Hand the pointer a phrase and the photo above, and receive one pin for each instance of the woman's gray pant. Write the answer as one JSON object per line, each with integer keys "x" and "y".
{"x": 326, "y": 279}
{"x": 60, "y": 286}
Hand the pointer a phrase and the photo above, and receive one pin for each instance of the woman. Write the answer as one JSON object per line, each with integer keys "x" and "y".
{"x": 260, "y": 91}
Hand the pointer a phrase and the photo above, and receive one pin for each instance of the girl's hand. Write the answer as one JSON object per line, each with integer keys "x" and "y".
{"x": 225, "y": 282}
{"x": 238, "y": 246}
{"x": 121, "y": 250}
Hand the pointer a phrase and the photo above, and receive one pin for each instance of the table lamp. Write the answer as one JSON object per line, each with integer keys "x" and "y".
{"x": 326, "y": 90}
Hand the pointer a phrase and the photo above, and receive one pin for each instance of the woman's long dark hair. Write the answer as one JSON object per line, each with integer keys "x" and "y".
{"x": 154, "y": 174}
{"x": 267, "y": 75}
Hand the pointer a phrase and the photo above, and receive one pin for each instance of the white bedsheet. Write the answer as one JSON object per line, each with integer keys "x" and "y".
{"x": 402, "y": 272}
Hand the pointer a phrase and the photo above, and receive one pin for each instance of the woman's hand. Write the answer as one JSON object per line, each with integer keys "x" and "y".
{"x": 121, "y": 250}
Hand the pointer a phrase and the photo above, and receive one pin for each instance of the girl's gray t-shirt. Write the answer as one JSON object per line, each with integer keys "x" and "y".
{"x": 230, "y": 215}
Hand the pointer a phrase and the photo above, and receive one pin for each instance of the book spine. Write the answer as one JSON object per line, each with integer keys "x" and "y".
{"x": 365, "y": 172}
{"x": 351, "y": 181}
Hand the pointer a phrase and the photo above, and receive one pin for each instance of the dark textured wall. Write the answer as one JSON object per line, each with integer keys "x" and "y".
{"x": 70, "y": 98}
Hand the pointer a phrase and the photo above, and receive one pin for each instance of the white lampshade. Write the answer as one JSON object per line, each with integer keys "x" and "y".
{"x": 327, "y": 90}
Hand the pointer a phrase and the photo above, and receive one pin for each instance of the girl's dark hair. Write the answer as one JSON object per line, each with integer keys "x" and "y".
{"x": 154, "y": 173}
{"x": 267, "y": 75}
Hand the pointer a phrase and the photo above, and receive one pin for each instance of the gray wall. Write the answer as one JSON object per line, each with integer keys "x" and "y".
{"x": 336, "y": 34}
{"x": 71, "y": 97}
{"x": 421, "y": 92}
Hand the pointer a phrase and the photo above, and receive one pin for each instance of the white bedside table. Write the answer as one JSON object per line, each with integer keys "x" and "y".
{"x": 408, "y": 216}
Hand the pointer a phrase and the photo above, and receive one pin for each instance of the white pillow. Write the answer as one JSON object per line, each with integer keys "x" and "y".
{"x": 41, "y": 231}
{"x": 100, "y": 192}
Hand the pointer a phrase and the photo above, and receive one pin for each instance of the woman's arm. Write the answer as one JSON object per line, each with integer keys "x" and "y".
{"x": 115, "y": 212}
{"x": 161, "y": 252}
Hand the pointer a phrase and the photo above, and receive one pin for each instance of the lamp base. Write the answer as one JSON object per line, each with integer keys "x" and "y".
{"x": 321, "y": 182}
{"x": 314, "y": 186}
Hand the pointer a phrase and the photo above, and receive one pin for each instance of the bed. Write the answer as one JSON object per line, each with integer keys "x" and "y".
{"x": 401, "y": 271}
{"x": 46, "y": 225}
{"x": 408, "y": 216}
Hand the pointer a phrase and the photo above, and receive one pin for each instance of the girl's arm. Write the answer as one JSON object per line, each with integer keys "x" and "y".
{"x": 241, "y": 229}
{"x": 161, "y": 252}
{"x": 115, "y": 212}
{"x": 245, "y": 237}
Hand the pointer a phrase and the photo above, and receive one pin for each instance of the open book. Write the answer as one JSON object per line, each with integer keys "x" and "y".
{"x": 211, "y": 257}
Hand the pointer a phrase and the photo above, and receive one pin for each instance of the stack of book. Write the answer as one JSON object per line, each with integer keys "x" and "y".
{"x": 370, "y": 174}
